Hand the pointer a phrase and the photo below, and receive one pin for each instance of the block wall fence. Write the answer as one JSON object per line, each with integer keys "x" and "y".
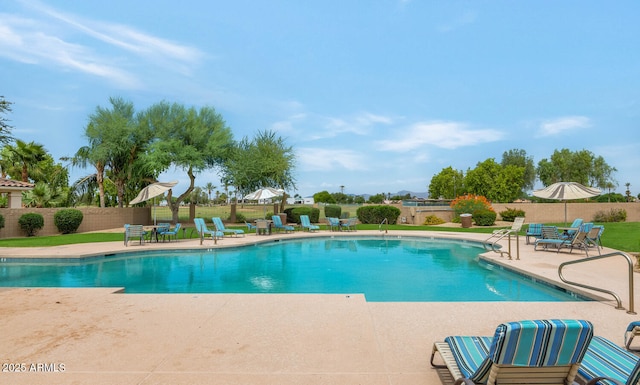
{"x": 97, "y": 219}
{"x": 534, "y": 212}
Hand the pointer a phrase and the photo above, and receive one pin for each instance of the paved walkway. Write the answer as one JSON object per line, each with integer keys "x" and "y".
{"x": 93, "y": 336}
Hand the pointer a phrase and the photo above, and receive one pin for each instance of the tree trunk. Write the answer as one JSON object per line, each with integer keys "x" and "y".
{"x": 100, "y": 181}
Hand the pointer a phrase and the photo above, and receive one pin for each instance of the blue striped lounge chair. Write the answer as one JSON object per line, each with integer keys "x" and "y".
{"x": 534, "y": 231}
{"x": 203, "y": 230}
{"x": 607, "y": 363}
{"x": 550, "y": 237}
{"x": 305, "y": 223}
{"x": 524, "y": 352}
{"x": 217, "y": 222}
{"x": 278, "y": 225}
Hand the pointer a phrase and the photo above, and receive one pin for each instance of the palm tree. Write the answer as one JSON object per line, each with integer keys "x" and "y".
{"x": 209, "y": 187}
{"x": 23, "y": 159}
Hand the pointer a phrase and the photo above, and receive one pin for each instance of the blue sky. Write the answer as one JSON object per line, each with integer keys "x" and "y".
{"x": 375, "y": 96}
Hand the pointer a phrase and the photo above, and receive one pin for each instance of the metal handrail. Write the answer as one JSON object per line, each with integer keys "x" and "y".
{"x": 386, "y": 228}
{"x": 500, "y": 236}
{"x": 617, "y": 298}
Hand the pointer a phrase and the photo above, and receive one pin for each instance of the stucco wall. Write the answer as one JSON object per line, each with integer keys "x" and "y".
{"x": 534, "y": 212}
{"x": 94, "y": 219}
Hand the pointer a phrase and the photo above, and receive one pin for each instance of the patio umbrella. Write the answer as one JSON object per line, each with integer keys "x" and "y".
{"x": 564, "y": 191}
{"x": 152, "y": 191}
{"x": 264, "y": 193}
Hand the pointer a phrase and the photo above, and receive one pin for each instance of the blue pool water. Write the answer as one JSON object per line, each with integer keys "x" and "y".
{"x": 407, "y": 269}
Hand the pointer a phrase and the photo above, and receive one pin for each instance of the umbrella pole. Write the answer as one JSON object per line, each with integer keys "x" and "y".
{"x": 565, "y": 214}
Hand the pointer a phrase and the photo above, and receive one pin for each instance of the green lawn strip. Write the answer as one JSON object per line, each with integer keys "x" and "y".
{"x": 623, "y": 236}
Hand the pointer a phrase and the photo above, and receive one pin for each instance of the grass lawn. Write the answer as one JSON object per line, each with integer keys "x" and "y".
{"x": 624, "y": 236}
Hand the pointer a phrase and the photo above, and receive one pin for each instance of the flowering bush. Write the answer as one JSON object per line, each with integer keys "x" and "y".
{"x": 468, "y": 204}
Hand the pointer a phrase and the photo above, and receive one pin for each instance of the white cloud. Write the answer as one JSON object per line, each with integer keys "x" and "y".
{"x": 560, "y": 126}
{"x": 48, "y": 41}
{"x": 449, "y": 135}
{"x": 316, "y": 127}
{"x": 323, "y": 159}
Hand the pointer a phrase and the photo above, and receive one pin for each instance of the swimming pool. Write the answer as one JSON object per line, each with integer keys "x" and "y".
{"x": 384, "y": 269}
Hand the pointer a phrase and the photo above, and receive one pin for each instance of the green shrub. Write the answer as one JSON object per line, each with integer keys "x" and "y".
{"x": 510, "y": 215}
{"x": 293, "y": 214}
{"x": 614, "y": 215}
{"x": 68, "y": 220}
{"x": 240, "y": 218}
{"x": 376, "y": 214}
{"x": 433, "y": 220}
{"x": 332, "y": 211}
{"x": 484, "y": 217}
{"x": 30, "y": 223}
{"x": 1, "y": 222}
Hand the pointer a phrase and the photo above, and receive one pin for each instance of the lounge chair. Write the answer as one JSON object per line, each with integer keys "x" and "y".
{"x": 305, "y": 223}
{"x": 217, "y": 222}
{"x": 278, "y": 225}
{"x": 567, "y": 234}
{"x": 608, "y": 363}
{"x": 333, "y": 223}
{"x": 534, "y": 231}
{"x": 632, "y": 331}
{"x": 203, "y": 230}
{"x": 348, "y": 224}
{"x": 593, "y": 237}
{"x": 525, "y": 352}
{"x": 134, "y": 231}
{"x": 171, "y": 233}
{"x": 515, "y": 227}
{"x": 549, "y": 239}
{"x": 519, "y": 352}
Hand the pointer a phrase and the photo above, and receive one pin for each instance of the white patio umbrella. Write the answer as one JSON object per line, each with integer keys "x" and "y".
{"x": 263, "y": 194}
{"x": 152, "y": 191}
{"x": 564, "y": 191}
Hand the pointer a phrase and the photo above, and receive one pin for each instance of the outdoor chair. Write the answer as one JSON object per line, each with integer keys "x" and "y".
{"x": 578, "y": 241}
{"x": 134, "y": 231}
{"x": 333, "y": 224}
{"x": 608, "y": 363}
{"x": 534, "y": 231}
{"x": 203, "y": 230}
{"x": 305, "y": 223}
{"x": 263, "y": 227}
{"x": 524, "y": 352}
{"x": 567, "y": 234}
{"x": 593, "y": 237}
{"x": 632, "y": 331}
{"x": 348, "y": 224}
{"x": 250, "y": 227}
{"x": 278, "y": 225}
{"x": 217, "y": 222}
{"x": 172, "y": 233}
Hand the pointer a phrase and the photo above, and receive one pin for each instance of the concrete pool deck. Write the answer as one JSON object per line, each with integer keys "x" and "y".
{"x": 82, "y": 336}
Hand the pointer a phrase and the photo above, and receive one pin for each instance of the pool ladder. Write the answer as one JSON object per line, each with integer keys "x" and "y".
{"x": 617, "y": 298}
{"x": 493, "y": 240}
{"x": 386, "y": 229}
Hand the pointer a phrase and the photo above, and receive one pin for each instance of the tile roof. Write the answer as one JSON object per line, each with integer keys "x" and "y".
{"x": 15, "y": 184}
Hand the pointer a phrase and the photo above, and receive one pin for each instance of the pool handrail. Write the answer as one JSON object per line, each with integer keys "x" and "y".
{"x": 617, "y": 298}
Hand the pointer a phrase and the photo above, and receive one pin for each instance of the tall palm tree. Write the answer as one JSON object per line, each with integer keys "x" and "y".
{"x": 209, "y": 187}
